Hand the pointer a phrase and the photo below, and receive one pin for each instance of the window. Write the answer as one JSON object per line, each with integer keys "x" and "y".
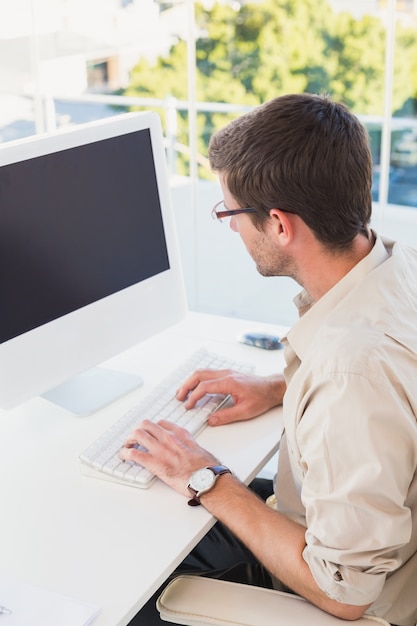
{"x": 199, "y": 64}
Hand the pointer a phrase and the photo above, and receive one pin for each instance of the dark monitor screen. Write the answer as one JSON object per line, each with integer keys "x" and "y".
{"x": 71, "y": 232}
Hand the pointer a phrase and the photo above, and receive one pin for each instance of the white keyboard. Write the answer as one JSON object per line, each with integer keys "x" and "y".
{"x": 101, "y": 458}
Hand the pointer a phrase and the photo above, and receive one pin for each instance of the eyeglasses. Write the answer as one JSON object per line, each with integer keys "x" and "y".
{"x": 218, "y": 215}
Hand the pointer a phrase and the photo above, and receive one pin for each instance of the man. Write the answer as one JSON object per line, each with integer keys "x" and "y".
{"x": 296, "y": 177}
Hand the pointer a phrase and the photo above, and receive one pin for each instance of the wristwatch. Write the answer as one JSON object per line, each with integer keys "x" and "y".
{"x": 204, "y": 479}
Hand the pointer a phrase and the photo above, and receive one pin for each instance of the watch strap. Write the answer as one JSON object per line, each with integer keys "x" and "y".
{"x": 217, "y": 470}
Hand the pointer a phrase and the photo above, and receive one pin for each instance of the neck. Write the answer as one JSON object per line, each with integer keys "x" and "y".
{"x": 324, "y": 268}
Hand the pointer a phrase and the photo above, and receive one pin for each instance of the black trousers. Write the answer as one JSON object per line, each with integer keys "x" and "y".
{"x": 218, "y": 555}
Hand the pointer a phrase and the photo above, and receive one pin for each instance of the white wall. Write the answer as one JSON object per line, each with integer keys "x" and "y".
{"x": 220, "y": 276}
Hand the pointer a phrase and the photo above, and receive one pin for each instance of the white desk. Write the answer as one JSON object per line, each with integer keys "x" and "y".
{"x": 102, "y": 542}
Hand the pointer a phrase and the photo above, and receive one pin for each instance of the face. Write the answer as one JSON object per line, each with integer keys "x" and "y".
{"x": 262, "y": 246}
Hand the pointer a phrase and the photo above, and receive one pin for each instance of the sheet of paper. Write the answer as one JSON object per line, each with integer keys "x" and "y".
{"x": 39, "y": 607}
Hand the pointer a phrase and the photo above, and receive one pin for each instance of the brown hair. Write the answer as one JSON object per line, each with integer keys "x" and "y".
{"x": 303, "y": 154}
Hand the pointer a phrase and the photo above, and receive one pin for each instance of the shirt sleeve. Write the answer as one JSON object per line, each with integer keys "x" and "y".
{"x": 356, "y": 461}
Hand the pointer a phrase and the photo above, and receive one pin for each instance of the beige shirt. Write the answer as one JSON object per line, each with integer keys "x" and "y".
{"x": 348, "y": 460}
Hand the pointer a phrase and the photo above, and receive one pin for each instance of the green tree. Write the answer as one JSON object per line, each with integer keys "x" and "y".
{"x": 357, "y": 51}
{"x": 292, "y": 48}
{"x": 263, "y": 49}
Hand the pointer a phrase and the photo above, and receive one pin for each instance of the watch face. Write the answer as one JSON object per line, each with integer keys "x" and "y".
{"x": 202, "y": 479}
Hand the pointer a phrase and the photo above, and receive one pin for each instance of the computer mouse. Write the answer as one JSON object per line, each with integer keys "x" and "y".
{"x": 261, "y": 340}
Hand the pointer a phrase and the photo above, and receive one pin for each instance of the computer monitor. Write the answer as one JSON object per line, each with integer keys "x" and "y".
{"x": 89, "y": 264}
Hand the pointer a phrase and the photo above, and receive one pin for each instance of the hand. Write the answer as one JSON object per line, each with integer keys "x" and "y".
{"x": 171, "y": 453}
{"x": 252, "y": 395}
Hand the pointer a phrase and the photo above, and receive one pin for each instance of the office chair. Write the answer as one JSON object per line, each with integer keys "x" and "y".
{"x": 199, "y": 601}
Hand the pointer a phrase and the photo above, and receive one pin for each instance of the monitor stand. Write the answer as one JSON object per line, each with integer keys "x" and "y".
{"x": 92, "y": 390}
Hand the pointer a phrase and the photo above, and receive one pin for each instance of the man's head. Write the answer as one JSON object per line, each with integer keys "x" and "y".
{"x": 302, "y": 154}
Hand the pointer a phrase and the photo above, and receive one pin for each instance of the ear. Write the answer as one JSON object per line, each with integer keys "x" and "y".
{"x": 282, "y": 226}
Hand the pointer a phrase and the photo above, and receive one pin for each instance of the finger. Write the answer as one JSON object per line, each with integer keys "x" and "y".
{"x": 226, "y": 416}
{"x": 198, "y": 377}
{"x": 175, "y": 430}
{"x": 135, "y": 455}
{"x": 133, "y": 448}
{"x": 218, "y": 386}
{"x": 189, "y": 384}
{"x": 144, "y": 441}
{"x": 152, "y": 437}
{"x": 144, "y": 434}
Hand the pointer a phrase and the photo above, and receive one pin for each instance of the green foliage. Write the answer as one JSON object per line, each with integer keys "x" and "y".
{"x": 357, "y": 49}
{"x": 264, "y": 49}
{"x": 405, "y": 73}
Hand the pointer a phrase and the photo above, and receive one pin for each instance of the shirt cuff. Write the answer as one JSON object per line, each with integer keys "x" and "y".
{"x": 344, "y": 584}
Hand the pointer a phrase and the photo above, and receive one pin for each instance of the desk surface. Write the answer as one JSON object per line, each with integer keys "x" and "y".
{"x": 98, "y": 541}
